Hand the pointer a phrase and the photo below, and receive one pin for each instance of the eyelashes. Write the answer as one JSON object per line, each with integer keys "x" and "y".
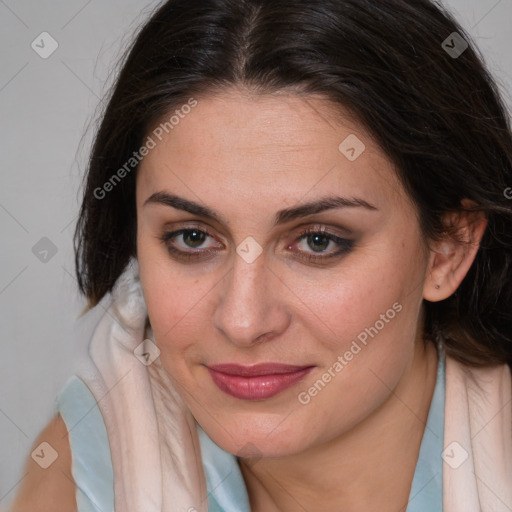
{"x": 310, "y": 245}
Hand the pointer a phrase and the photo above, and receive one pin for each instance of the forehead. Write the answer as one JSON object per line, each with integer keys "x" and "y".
{"x": 281, "y": 147}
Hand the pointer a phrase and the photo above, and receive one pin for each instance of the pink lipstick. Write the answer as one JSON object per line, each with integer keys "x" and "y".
{"x": 256, "y": 382}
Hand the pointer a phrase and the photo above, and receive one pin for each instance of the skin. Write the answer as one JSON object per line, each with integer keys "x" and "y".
{"x": 51, "y": 488}
{"x": 355, "y": 445}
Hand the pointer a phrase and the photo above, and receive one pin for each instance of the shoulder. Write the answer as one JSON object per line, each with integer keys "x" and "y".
{"x": 53, "y": 487}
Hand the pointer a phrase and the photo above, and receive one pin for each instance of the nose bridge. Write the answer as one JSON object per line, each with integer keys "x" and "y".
{"x": 249, "y": 306}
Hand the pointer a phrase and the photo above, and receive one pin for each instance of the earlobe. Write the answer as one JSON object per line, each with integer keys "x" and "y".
{"x": 452, "y": 256}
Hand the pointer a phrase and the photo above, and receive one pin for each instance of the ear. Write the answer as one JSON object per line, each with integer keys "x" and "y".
{"x": 452, "y": 256}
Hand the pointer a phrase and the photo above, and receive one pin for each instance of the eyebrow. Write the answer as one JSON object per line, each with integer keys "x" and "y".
{"x": 281, "y": 217}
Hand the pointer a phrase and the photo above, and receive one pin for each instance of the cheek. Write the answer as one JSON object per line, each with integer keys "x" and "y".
{"x": 360, "y": 296}
{"x": 374, "y": 314}
{"x": 173, "y": 308}
{"x": 175, "y": 301}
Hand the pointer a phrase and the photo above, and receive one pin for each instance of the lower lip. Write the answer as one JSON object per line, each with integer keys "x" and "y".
{"x": 256, "y": 388}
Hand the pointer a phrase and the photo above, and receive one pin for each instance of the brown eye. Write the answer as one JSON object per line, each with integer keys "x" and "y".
{"x": 318, "y": 242}
{"x": 193, "y": 238}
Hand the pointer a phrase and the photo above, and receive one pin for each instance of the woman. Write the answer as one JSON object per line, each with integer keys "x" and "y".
{"x": 300, "y": 211}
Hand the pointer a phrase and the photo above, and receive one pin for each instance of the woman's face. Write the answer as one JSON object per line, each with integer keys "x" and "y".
{"x": 294, "y": 244}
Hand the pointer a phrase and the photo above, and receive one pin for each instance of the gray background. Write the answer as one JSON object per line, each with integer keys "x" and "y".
{"x": 47, "y": 110}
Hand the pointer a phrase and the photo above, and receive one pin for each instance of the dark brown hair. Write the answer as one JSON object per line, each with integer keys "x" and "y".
{"x": 437, "y": 115}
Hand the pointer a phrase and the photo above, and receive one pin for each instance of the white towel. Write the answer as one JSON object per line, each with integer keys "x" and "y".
{"x": 153, "y": 438}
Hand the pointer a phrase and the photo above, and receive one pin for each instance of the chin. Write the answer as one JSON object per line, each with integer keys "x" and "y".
{"x": 253, "y": 439}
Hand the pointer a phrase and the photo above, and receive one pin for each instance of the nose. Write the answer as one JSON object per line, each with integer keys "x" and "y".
{"x": 251, "y": 306}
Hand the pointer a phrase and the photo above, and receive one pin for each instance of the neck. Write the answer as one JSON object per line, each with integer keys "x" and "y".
{"x": 370, "y": 467}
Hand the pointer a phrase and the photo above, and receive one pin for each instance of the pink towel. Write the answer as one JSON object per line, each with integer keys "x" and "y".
{"x": 478, "y": 422}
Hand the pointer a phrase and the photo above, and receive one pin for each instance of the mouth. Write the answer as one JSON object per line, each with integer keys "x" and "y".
{"x": 257, "y": 382}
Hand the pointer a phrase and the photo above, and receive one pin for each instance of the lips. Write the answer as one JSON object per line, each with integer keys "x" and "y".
{"x": 257, "y": 382}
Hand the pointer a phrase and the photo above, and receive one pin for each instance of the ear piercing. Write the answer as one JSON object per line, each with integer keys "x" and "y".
{"x": 437, "y": 287}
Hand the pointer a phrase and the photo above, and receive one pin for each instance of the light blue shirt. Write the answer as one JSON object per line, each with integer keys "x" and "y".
{"x": 93, "y": 473}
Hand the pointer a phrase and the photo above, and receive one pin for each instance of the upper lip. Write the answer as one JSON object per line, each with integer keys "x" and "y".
{"x": 257, "y": 369}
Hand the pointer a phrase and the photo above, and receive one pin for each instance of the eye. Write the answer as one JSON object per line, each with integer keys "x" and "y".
{"x": 313, "y": 244}
{"x": 181, "y": 243}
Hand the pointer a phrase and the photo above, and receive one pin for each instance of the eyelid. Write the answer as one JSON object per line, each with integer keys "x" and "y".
{"x": 324, "y": 228}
